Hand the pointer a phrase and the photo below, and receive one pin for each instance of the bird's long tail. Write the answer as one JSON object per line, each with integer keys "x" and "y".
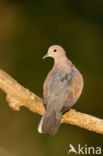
{"x": 50, "y": 122}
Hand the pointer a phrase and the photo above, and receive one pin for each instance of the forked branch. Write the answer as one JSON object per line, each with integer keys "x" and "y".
{"x": 18, "y": 96}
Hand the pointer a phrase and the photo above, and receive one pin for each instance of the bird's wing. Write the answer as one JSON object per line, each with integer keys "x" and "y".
{"x": 46, "y": 88}
{"x": 57, "y": 91}
{"x": 74, "y": 91}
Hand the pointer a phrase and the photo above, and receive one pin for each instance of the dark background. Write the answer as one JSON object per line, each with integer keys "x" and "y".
{"x": 27, "y": 29}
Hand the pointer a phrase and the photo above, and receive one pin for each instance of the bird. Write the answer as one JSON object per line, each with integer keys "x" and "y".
{"x": 61, "y": 90}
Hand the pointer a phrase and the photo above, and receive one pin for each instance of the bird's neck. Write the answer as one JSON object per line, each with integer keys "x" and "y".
{"x": 62, "y": 63}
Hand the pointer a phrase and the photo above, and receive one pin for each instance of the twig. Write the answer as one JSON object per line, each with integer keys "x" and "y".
{"x": 18, "y": 96}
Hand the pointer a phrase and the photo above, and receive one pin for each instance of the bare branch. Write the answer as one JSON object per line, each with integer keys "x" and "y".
{"x": 18, "y": 96}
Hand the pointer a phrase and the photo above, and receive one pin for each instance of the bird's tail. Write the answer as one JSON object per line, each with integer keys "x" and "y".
{"x": 50, "y": 122}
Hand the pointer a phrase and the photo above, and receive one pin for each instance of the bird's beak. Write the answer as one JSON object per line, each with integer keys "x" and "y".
{"x": 45, "y": 56}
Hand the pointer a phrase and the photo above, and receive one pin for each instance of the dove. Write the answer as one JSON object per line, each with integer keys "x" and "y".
{"x": 62, "y": 88}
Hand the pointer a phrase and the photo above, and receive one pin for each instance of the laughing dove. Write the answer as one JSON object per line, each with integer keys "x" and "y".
{"x": 62, "y": 89}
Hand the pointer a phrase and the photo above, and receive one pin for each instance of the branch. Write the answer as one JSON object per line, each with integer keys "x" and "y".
{"x": 18, "y": 96}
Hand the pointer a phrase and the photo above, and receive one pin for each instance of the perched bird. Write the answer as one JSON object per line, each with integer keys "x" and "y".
{"x": 62, "y": 89}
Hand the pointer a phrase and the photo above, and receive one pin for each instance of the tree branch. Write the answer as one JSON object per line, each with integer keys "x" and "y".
{"x": 18, "y": 96}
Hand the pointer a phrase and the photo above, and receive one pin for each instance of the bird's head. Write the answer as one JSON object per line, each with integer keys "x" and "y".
{"x": 55, "y": 52}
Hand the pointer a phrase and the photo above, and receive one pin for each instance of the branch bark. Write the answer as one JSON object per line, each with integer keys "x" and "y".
{"x": 18, "y": 96}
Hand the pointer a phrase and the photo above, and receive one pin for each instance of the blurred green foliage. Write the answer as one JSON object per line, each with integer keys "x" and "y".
{"x": 27, "y": 29}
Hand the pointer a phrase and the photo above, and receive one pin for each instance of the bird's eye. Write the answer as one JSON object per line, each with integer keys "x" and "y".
{"x": 55, "y": 50}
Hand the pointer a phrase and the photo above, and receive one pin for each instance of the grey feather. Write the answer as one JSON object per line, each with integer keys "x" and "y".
{"x": 55, "y": 104}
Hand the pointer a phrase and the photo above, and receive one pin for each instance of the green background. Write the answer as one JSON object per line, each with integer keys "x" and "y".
{"x": 27, "y": 29}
